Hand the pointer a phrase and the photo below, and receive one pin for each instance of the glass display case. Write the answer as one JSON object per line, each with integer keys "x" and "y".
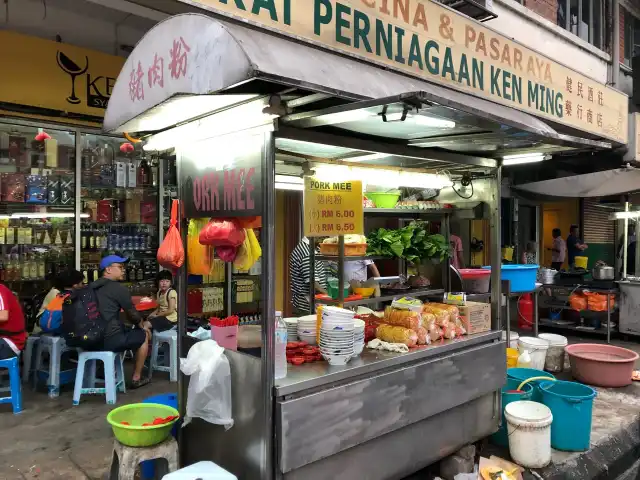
{"x": 37, "y": 206}
{"x": 119, "y": 204}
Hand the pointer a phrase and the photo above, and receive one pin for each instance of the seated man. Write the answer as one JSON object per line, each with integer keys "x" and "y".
{"x": 13, "y": 334}
{"x": 113, "y": 297}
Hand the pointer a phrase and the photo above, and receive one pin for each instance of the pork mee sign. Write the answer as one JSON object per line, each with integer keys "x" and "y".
{"x": 428, "y": 40}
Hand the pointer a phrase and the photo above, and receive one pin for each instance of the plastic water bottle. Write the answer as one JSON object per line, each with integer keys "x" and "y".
{"x": 281, "y": 347}
{"x": 524, "y": 360}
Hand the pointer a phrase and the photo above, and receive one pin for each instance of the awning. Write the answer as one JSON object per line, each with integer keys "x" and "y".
{"x": 596, "y": 184}
{"x": 196, "y": 55}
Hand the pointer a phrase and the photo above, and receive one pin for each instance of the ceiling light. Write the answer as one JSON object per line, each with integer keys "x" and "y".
{"x": 524, "y": 158}
{"x": 432, "y": 122}
{"x": 364, "y": 158}
{"x": 289, "y": 179}
{"x": 289, "y": 186}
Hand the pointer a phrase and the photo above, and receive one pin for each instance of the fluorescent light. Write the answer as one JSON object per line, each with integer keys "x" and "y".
{"x": 47, "y": 215}
{"x": 523, "y": 158}
{"x": 289, "y": 186}
{"x": 289, "y": 179}
{"x": 432, "y": 122}
{"x": 364, "y": 158}
{"x": 382, "y": 177}
{"x": 625, "y": 215}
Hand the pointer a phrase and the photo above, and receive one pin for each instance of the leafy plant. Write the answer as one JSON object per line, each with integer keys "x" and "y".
{"x": 411, "y": 243}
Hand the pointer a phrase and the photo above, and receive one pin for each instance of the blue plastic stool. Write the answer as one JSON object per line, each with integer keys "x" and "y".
{"x": 171, "y": 400}
{"x": 28, "y": 357}
{"x": 14, "y": 382}
{"x": 113, "y": 376}
{"x": 169, "y": 337}
{"x": 56, "y": 347}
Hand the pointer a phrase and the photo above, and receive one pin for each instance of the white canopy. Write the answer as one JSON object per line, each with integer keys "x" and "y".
{"x": 596, "y": 184}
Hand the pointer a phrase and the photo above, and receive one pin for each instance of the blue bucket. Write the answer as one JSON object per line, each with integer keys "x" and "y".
{"x": 170, "y": 399}
{"x": 509, "y": 395}
{"x": 522, "y": 277}
{"x": 571, "y": 404}
{"x": 522, "y": 374}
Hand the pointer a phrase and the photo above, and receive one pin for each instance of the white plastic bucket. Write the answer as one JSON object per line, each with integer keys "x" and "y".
{"x": 529, "y": 430}
{"x": 537, "y": 348}
{"x": 554, "y": 361}
{"x": 513, "y": 342}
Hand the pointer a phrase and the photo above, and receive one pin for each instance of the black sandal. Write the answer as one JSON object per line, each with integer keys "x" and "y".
{"x": 135, "y": 384}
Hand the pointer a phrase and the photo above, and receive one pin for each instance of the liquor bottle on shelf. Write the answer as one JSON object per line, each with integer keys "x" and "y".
{"x": 33, "y": 268}
{"x": 42, "y": 267}
{"x": 25, "y": 270}
{"x": 144, "y": 173}
{"x": 92, "y": 238}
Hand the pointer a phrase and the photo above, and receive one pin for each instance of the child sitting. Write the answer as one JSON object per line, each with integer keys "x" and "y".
{"x": 165, "y": 317}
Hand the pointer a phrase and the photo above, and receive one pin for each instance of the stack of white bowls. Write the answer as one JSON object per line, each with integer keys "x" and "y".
{"x": 307, "y": 329}
{"x": 292, "y": 329}
{"x": 337, "y": 335}
{"x": 358, "y": 337}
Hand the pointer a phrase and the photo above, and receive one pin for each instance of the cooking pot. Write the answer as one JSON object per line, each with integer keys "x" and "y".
{"x": 603, "y": 273}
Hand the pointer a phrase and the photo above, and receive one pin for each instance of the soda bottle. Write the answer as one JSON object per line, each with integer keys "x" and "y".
{"x": 280, "y": 368}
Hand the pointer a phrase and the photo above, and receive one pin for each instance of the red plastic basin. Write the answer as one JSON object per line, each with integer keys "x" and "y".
{"x": 474, "y": 272}
{"x": 475, "y": 280}
{"x": 601, "y": 365}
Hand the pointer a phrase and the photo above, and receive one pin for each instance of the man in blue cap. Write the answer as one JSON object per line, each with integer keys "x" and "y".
{"x": 112, "y": 298}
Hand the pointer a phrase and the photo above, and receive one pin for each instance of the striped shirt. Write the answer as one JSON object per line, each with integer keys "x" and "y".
{"x": 301, "y": 276}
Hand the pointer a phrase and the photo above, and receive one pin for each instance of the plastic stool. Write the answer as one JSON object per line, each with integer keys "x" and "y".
{"x": 56, "y": 347}
{"x": 14, "y": 382}
{"x": 202, "y": 471}
{"x": 126, "y": 459}
{"x": 27, "y": 356}
{"x": 113, "y": 376}
{"x": 170, "y": 337}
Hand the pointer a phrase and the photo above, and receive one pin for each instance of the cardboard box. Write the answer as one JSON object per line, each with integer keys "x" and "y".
{"x": 476, "y": 317}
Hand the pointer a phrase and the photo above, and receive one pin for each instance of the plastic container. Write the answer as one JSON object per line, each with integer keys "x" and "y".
{"x": 135, "y": 435}
{"x": 581, "y": 262}
{"x": 510, "y": 394}
{"x": 475, "y": 280}
{"x": 522, "y": 374}
{"x": 554, "y": 361}
{"x": 571, "y": 404}
{"x": 383, "y": 200}
{"x": 512, "y": 357}
{"x": 226, "y": 337}
{"x": 513, "y": 336}
{"x": 522, "y": 277}
{"x": 332, "y": 288}
{"x": 529, "y": 430}
{"x": 537, "y": 348}
{"x": 364, "y": 292}
{"x": 601, "y": 365}
{"x": 524, "y": 360}
{"x": 280, "y": 368}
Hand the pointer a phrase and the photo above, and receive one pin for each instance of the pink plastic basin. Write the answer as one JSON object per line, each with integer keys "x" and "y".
{"x": 601, "y": 365}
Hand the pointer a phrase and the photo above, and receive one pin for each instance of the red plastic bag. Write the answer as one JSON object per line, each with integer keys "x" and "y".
{"x": 227, "y": 254}
{"x": 171, "y": 252}
{"x": 222, "y": 233}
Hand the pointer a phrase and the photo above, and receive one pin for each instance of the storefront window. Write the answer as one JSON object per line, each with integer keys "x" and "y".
{"x": 119, "y": 191}
{"x": 583, "y": 18}
{"x": 631, "y": 37}
{"x": 37, "y": 206}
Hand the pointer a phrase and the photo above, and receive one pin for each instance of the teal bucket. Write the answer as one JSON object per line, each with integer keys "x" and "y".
{"x": 571, "y": 404}
{"x": 523, "y": 374}
{"x": 509, "y": 395}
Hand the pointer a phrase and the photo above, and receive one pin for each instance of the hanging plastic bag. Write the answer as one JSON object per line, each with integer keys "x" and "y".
{"x": 222, "y": 233}
{"x": 171, "y": 252}
{"x": 250, "y": 222}
{"x": 227, "y": 254}
{"x": 209, "y": 394}
{"x": 198, "y": 256}
{"x": 256, "y": 249}
{"x": 244, "y": 259}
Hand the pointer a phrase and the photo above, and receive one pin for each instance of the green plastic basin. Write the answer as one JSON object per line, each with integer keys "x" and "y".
{"x": 383, "y": 200}
{"x": 135, "y": 435}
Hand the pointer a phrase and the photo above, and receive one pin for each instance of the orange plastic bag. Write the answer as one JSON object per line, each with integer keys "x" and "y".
{"x": 199, "y": 257}
{"x": 250, "y": 222}
{"x": 597, "y": 302}
{"x": 578, "y": 301}
{"x": 171, "y": 252}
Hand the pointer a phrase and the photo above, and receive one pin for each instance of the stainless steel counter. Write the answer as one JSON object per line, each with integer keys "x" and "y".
{"x": 312, "y": 375}
{"x": 629, "y": 307}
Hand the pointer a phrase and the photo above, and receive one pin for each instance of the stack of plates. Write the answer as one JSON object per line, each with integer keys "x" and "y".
{"x": 337, "y": 335}
{"x": 292, "y": 329}
{"x": 307, "y": 329}
{"x": 358, "y": 337}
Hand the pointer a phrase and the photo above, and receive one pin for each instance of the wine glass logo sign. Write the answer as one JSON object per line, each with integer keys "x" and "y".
{"x": 73, "y": 70}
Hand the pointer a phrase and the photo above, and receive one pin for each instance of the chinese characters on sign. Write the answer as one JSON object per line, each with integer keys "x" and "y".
{"x": 332, "y": 208}
{"x": 177, "y": 65}
{"x": 581, "y": 102}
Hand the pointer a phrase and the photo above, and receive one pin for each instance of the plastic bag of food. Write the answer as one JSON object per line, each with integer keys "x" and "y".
{"x": 452, "y": 309}
{"x": 442, "y": 316}
{"x": 426, "y": 319}
{"x": 597, "y": 302}
{"x": 435, "y": 332}
{"x": 393, "y": 334}
{"x": 407, "y": 303}
{"x": 449, "y": 331}
{"x": 460, "y": 330}
{"x": 402, "y": 318}
{"x": 171, "y": 252}
{"x": 423, "y": 336}
{"x": 199, "y": 257}
{"x": 578, "y": 301}
{"x": 222, "y": 233}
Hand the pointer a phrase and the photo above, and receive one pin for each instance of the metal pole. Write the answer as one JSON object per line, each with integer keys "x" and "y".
{"x": 78, "y": 199}
{"x": 625, "y": 239}
{"x": 268, "y": 299}
{"x": 615, "y": 45}
{"x": 496, "y": 255}
{"x": 506, "y": 286}
{"x": 567, "y": 15}
{"x": 608, "y": 318}
{"x": 536, "y": 318}
{"x": 340, "y": 270}
{"x": 580, "y": 11}
{"x": 312, "y": 275}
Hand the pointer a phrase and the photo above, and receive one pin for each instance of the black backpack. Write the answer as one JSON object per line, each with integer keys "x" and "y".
{"x": 82, "y": 324}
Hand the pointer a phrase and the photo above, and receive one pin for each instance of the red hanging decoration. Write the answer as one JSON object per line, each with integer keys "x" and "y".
{"x": 42, "y": 136}
{"x": 126, "y": 148}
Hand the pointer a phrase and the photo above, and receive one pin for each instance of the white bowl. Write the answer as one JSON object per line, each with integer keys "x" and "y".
{"x": 310, "y": 340}
{"x": 336, "y": 360}
{"x": 307, "y": 318}
{"x": 337, "y": 351}
{"x": 337, "y": 311}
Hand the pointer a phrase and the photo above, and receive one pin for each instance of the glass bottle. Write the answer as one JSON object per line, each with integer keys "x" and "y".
{"x": 144, "y": 173}
{"x": 33, "y": 268}
{"x": 25, "y": 272}
{"x": 280, "y": 369}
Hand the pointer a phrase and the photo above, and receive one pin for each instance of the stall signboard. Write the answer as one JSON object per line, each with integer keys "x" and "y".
{"x": 56, "y": 76}
{"x": 219, "y": 186}
{"x": 426, "y": 39}
{"x": 332, "y": 207}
